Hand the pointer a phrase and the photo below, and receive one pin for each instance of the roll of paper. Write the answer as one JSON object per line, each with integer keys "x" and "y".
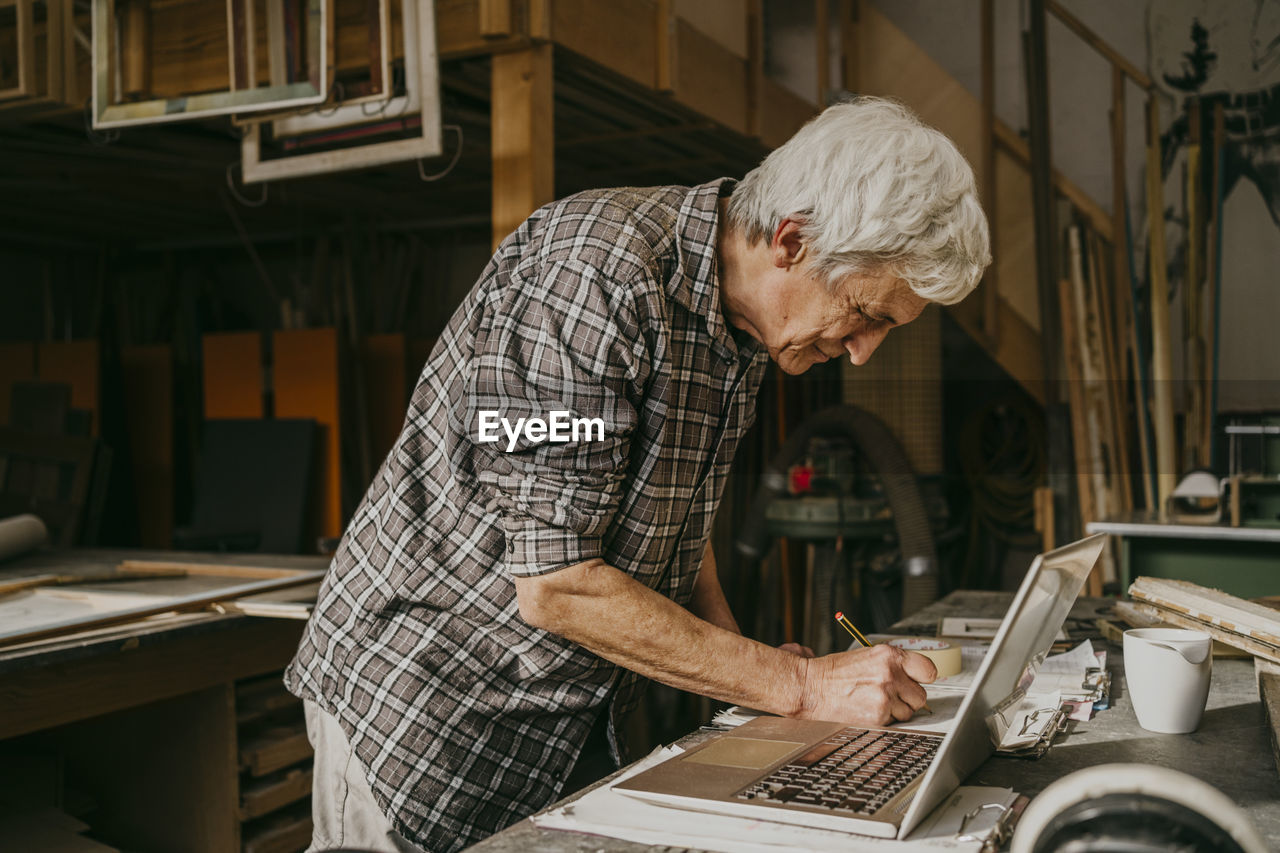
{"x": 945, "y": 656}
{"x": 20, "y": 535}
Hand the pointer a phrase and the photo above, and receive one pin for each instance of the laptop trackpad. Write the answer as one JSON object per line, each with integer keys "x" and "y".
{"x": 751, "y": 753}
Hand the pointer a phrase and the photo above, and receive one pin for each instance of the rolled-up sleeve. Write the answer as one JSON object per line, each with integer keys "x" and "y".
{"x": 562, "y": 343}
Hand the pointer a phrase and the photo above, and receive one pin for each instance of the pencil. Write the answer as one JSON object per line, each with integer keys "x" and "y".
{"x": 852, "y": 629}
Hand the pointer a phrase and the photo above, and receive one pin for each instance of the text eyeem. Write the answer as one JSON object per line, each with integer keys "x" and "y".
{"x": 558, "y": 427}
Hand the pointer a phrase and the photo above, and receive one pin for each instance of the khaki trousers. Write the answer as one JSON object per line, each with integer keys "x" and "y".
{"x": 343, "y": 811}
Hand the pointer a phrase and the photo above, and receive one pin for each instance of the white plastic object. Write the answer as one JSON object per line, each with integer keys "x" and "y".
{"x": 1096, "y": 782}
{"x": 1168, "y": 671}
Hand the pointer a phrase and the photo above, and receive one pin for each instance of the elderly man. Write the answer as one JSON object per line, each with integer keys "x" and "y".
{"x": 501, "y": 594}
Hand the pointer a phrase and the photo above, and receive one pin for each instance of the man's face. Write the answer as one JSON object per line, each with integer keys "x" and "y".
{"x": 812, "y": 322}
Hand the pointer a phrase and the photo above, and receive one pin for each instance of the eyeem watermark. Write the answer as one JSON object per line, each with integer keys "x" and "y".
{"x": 559, "y": 427}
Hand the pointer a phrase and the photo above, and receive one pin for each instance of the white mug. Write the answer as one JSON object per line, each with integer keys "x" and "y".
{"x": 1167, "y": 671}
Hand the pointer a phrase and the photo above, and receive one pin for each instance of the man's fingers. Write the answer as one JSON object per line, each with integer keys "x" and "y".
{"x": 919, "y": 667}
{"x": 900, "y": 710}
{"x": 912, "y": 694}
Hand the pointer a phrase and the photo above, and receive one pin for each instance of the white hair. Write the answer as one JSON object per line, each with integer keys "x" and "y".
{"x": 873, "y": 189}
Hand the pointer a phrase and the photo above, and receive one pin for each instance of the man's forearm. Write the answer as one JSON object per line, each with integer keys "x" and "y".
{"x": 623, "y": 621}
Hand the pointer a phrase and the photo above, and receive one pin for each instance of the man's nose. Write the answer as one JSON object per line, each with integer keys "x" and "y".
{"x": 863, "y": 342}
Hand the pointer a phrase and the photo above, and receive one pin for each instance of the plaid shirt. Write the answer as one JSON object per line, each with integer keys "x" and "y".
{"x": 605, "y": 305}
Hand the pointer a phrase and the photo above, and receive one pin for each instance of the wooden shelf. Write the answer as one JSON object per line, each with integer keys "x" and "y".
{"x": 274, "y": 792}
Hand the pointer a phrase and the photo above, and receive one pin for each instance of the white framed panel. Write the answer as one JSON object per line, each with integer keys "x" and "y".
{"x": 232, "y": 100}
{"x": 419, "y": 18}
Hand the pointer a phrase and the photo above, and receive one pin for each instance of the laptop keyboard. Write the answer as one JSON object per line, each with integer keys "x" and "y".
{"x": 855, "y": 771}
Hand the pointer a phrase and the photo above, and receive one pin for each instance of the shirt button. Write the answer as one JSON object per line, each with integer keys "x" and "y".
{"x": 511, "y": 546}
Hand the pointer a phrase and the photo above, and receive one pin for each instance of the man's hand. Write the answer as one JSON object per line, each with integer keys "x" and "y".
{"x": 870, "y": 687}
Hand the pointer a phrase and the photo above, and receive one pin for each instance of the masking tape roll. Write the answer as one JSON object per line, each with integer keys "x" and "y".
{"x": 945, "y": 656}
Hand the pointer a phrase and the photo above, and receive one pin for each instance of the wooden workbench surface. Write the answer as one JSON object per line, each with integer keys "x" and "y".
{"x": 1230, "y": 750}
{"x": 59, "y": 681}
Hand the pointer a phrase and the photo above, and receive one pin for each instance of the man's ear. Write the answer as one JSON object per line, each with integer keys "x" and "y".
{"x": 787, "y": 248}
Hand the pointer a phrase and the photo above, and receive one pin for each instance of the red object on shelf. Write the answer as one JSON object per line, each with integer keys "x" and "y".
{"x": 801, "y": 479}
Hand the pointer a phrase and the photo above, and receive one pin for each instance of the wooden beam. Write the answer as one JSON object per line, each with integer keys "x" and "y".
{"x": 822, "y": 50}
{"x": 849, "y": 32}
{"x": 495, "y": 18}
{"x": 991, "y": 281}
{"x": 1099, "y": 220}
{"x": 755, "y": 64}
{"x": 1094, "y": 41}
{"x": 523, "y": 142}
{"x": 1161, "y": 353}
{"x": 665, "y": 50}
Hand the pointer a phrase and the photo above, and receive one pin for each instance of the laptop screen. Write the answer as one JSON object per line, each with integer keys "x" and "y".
{"x": 1021, "y": 643}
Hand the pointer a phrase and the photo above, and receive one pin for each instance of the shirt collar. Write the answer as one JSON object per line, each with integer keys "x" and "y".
{"x": 695, "y": 284}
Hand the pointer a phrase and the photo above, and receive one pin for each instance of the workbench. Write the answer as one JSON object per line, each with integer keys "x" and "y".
{"x": 1243, "y": 561}
{"x": 1231, "y": 750}
{"x": 145, "y": 715}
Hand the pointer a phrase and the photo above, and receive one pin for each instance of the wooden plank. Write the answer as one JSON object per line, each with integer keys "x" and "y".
{"x": 1228, "y": 612}
{"x": 1110, "y": 391}
{"x": 1085, "y": 461}
{"x": 1099, "y": 220}
{"x": 613, "y": 34}
{"x": 782, "y": 112}
{"x": 1136, "y": 615}
{"x": 149, "y": 409}
{"x": 755, "y": 64}
{"x": 306, "y": 386}
{"x": 17, "y": 364}
{"x": 274, "y": 749}
{"x": 288, "y": 835}
{"x": 522, "y": 138}
{"x": 822, "y": 51}
{"x": 43, "y": 697}
{"x": 1094, "y": 41}
{"x": 1017, "y": 350}
{"x": 134, "y": 42}
{"x": 220, "y": 570}
{"x": 494, "y": 18}
{"x": 75, "y": 363}
{"x": 1268, "y": 675}
{"x": 384, "y": 360}
{"x": 1220, "y": 635}
{"x": 849, "y": 16}
{"x": 990, "y": 196}
{"x": 1161, "y": 354}
{"x": 665, "y": 49}
{"x": 260, "y": 798}
{"x": 710, "y": 79}
{"x": 132, "y": 612}
{"x": 233, "y": 375}
{"x": 723, "y": 21}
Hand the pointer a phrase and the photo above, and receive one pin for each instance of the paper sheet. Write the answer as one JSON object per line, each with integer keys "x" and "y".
{"x": 606, "y": 812}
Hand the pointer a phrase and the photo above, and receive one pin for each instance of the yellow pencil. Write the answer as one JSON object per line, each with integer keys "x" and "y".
{"x": 849, "y": 626}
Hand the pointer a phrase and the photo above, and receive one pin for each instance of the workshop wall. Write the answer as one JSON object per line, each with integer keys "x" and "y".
{"x": 1079, "y": 80}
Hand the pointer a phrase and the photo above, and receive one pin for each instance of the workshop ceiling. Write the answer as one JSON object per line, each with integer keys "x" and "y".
{"x": 167, "y": 186}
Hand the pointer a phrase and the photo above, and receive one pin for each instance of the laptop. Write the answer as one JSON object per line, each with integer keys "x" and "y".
{"x": 870, "y": 780}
